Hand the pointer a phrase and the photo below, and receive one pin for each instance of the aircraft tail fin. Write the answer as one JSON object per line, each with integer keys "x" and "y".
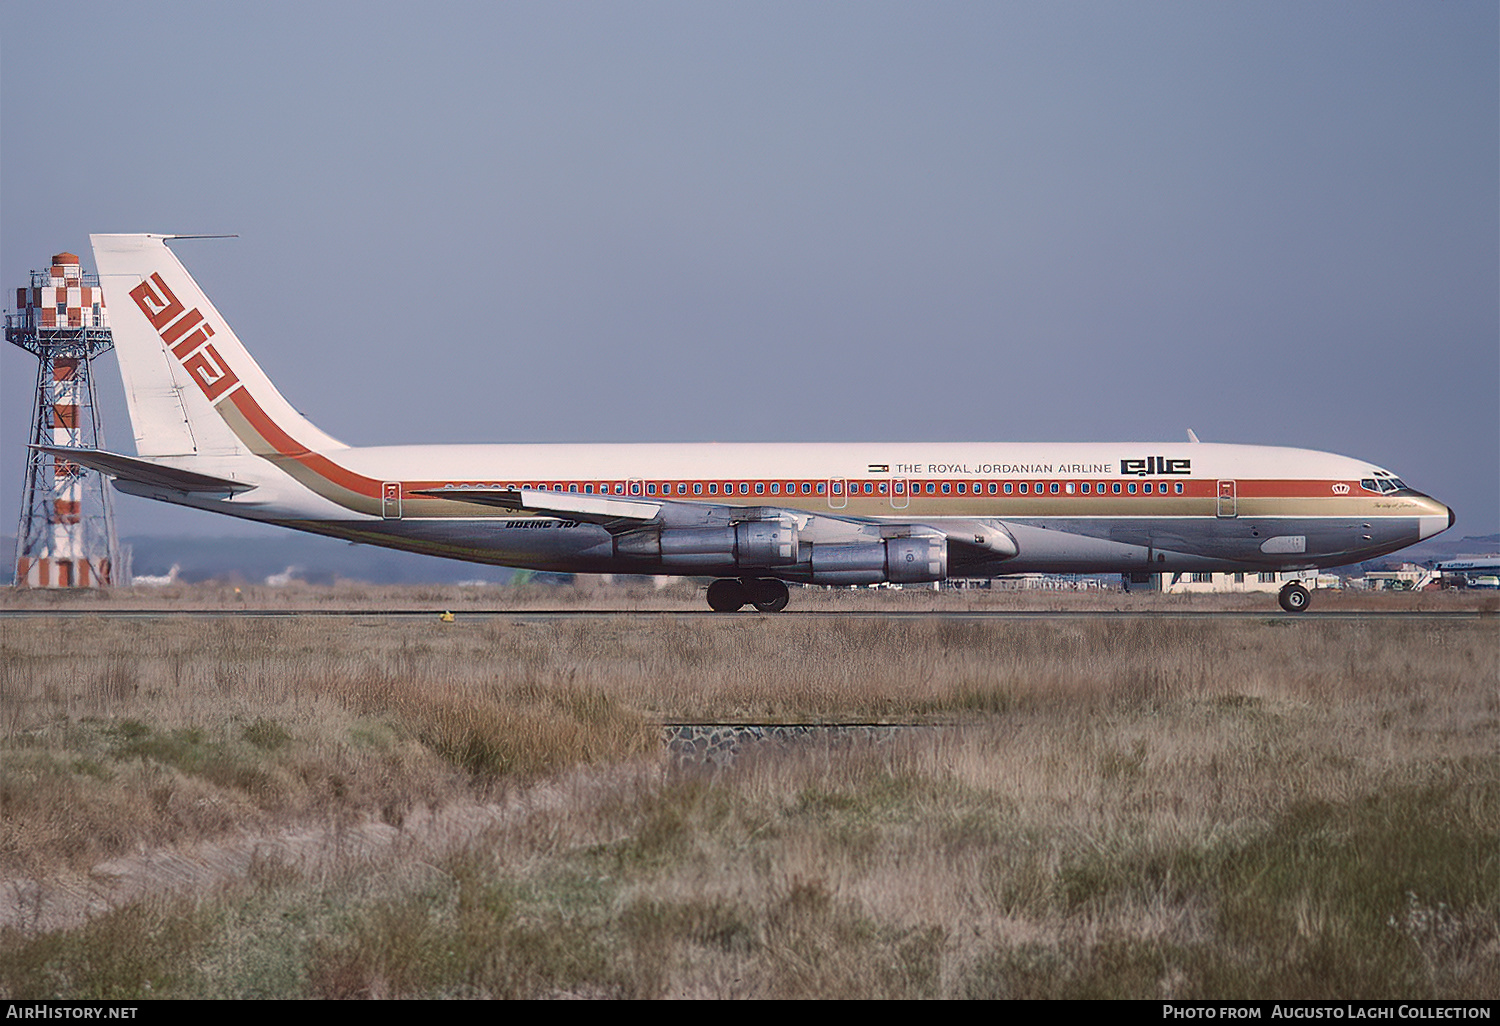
{"x": 191, "y": 386}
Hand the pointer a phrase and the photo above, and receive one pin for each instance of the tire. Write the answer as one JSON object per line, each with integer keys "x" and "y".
{"x": 1294, "y": 598}
{"x": 768, "y": 594}
{"x": 726, "y": 596}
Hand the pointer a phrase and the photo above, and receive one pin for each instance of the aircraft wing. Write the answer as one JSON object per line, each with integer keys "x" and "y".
{"x": 598, "y": 509}
{"x": 970, "y": 540}
{"x": 146, "y": 472}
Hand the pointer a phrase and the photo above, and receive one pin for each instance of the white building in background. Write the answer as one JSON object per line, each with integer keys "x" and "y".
{"x": 1406, "y": 577}
{"x": 1191, "y": 584}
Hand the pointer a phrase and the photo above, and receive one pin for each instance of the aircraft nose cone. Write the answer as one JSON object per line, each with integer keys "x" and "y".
{"x": 1431, "y": 525}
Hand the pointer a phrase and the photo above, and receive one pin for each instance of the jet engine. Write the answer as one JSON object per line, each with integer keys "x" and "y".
{"x": 912, "y": 560}
{"x": 751, "y": 544}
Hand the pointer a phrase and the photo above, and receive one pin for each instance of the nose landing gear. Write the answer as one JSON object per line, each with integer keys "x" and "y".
{"x": 765, "y": 593}
{"x": 1294, "y": 598}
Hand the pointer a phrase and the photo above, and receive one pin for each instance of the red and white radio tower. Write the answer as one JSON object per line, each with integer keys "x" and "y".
{"x": 66, "y": 537}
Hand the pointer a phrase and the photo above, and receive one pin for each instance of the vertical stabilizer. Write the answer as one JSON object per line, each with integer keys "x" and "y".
{"x": 181, "y": 363}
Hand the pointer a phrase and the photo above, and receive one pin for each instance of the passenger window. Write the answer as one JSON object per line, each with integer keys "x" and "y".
{"x": 947, "y": 487}
{"x": 1146, "y": 488}
{"x": 882, "y": 488}
{"x": 681, "y": 487}
{"x": 744, "y": 488}
{"x": 1132, "y": 488}
{"x": 775, "y": 487}
{"x": 760, "y": 488}
{"x": 1007, "y": 488}
{"x": 992, "y": 488}
{"x": 929, "y": 488}
{"x": 651, "y": 489}
{"x": 962, "y": 488}
{"x": 1115, "y": 488}
{"x": 822, "y": 487}
{"x": 1068, "y": 488}
{"x": 713, "y": 488}
{"x": 1085, "y": 487}
{"x": 1177, "y": 487}
{"x": 697, "y": 487}
{"x": 838, "y": 488}
{"x": 1024, "y": 488}
{"x": 806, "y": 487}
{"x": 1053, "y": 489}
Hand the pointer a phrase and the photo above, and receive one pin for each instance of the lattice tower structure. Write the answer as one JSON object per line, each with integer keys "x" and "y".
{"x": 66, "y": 536}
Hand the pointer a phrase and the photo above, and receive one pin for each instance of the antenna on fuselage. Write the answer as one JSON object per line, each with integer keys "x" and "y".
{"x": 1192, "y": 436}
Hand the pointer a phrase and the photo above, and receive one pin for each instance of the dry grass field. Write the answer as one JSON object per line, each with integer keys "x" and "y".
{"x": 375, "y": 806}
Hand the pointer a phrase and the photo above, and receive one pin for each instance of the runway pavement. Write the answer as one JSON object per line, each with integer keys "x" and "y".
{"x": 1430, "y": 616}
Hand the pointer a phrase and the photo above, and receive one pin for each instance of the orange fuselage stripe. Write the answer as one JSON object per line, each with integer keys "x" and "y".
{"x": 285, "y": 447}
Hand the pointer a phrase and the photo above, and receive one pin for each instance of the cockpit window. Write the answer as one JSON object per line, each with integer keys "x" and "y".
{"x": 1369, "y": 485}
{"x": 1383, "y": 482}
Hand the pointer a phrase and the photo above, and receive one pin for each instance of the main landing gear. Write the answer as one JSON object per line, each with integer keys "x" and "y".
{"x": 1294, "y": 598}
{"x": 765, "y": 593}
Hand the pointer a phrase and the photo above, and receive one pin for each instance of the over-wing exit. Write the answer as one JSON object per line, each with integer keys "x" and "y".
{"x": 213, "y": 432}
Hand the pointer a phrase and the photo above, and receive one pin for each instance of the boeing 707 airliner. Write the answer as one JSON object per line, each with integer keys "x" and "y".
{"x": 212, "y": 432}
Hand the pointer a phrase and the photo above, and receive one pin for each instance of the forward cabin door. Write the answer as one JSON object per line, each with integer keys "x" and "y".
{"x": 1228, "y": 502}
{"x": 390, "y": 500}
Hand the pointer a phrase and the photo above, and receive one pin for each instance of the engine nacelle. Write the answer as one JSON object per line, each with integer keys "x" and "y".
{"x": 917, "y": 560}
{"x": 750, "y": 544}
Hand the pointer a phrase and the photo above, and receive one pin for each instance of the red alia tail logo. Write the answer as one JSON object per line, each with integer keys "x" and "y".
{"x": 186, "y": 335}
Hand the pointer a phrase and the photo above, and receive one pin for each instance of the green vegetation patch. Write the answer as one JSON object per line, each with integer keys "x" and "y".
{"x": 192, "y": 751}
{"x": 145, "y": 950}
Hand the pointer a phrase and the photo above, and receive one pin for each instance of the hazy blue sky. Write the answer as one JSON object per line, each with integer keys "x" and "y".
{"x": 1273, "y": 222}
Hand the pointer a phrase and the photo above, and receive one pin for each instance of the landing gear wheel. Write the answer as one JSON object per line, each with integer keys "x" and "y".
{"x": 726, "y": 596}
{"x": 1294, "y": 598}
{"x": 768, "y": 594}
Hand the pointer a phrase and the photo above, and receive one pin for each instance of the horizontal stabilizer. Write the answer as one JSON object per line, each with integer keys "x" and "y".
{"x": 591, "y": 508}
{"x": 131, "y": 468}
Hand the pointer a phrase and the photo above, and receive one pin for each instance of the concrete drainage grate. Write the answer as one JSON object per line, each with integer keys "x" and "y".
{"x": 718, "y": 744}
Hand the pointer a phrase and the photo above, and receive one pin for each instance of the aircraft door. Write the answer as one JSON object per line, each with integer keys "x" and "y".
{"x": 838, "y": 493}
{"x": 1228, "y": 501}
{"x": 390, "y": 500}
{"x": 900, "y": 493}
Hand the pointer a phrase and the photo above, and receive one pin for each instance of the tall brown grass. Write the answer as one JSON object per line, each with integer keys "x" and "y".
{"x": 633, "y": 594}
{"x": 1133, "y": 808}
